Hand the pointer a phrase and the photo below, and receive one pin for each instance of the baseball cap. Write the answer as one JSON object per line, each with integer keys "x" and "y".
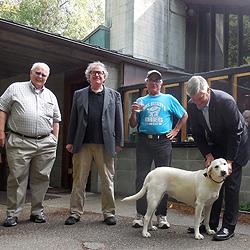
{"x": 154, "y": 72}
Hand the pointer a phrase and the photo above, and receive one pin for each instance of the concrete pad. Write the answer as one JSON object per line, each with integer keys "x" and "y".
{"x": 92, "y": 233}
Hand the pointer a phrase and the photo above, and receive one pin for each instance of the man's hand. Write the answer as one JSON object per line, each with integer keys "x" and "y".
{"x": 172, "y": 134}
{"x": 2, "y": 138}
{"x": 3, "y": 119}
{"x": 208, "y": 160}
{"x": 69, "y": 147}
{"x": 118, "y": 149}
{"x": 230, "y": 167}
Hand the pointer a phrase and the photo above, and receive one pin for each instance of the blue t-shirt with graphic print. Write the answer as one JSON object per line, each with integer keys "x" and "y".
{"x": 158, "y": 113}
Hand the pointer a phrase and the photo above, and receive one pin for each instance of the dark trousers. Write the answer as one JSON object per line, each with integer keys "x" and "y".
{"x": 230, "y": 191}
{"x": 147, "y": 151}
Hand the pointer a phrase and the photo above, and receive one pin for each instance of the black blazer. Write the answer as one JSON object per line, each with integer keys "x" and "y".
{"x": 229, "y": 136}
{"x": 112, "y": 120}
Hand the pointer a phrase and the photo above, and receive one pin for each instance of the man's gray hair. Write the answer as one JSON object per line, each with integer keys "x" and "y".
{"x": 196, "y": 84}
{"x": 93, "y": 65}
{"x": 38, "y": 64}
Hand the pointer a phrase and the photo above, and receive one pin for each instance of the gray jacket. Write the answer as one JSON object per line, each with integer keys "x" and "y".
{"x": 112, "y": 120}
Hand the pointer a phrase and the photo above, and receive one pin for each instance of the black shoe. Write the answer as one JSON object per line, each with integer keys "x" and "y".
{"x": 71, "y": 220}
{"x": 37, "y": 218}
{"x": 10, "y": 221}
{"x": 223, "y": 234}
{"x": 202, "y": 229}
{"x": 110, "y": 220}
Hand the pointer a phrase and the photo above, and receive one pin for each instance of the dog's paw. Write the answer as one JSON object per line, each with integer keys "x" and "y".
{"x": 199, "y": 237}
{"x": 146, "y": 234}
{"x": 210, "y": 232}
{"x": 153, "y": 228}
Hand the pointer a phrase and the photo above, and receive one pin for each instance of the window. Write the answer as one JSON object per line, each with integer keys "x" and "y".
{"x": 221, "y": 83}
{"x": 242, "y": 83}
{"x": 235, "y": 81}
{"x": 174, "y": 89}
{"x": 129, "y": 98}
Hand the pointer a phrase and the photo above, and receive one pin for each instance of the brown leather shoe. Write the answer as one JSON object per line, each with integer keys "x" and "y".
{"x": 71, "y": 220}
{"x": 110, "y": 220}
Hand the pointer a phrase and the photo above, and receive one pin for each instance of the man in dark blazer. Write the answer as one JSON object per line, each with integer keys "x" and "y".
{"x": 95, "y": 134}
{"x": 219, "y": 130}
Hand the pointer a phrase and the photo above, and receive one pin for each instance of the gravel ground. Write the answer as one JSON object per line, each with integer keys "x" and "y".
{"x": 92, "y": 233}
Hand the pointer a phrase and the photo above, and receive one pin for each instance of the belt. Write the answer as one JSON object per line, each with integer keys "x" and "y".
{"x": 39, "y": 137}
{"x": 155, "y": 137}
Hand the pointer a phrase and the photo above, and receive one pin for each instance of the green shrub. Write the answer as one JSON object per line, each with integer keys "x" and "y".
{"x": 245, "y": 207}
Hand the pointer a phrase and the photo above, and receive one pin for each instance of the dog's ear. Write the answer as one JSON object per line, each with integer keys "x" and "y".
{"x": 209, "y": 169}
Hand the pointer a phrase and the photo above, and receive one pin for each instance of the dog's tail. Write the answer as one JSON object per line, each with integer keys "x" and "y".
{"x": 140, "y": 194}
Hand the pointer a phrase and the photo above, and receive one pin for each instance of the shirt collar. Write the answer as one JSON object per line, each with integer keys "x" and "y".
{"x": 35, "y": 89}
{"x": 96, "y": 93}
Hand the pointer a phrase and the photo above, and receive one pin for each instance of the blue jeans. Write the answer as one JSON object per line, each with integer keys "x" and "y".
{"x": 147, "y": 151}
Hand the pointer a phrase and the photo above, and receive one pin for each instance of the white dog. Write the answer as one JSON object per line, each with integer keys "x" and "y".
{"x": 196, "y": 188}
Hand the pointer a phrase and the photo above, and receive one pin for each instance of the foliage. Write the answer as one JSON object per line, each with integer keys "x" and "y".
{"x": 245, "y": 207}
{"x": 233, "y": 40}
{"x": 246, "y": 39}
{"x": 233, "y": 44}
{"x": 71, "y": 18}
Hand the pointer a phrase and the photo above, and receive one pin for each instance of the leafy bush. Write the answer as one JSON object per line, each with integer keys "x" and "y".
{"x": 245, "y": 207}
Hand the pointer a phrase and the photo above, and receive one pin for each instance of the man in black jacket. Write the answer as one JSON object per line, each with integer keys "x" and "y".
{"x": 219, "y": 130}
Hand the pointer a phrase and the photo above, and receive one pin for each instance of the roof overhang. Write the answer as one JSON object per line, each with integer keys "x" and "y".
{"x": 21, "y": 46}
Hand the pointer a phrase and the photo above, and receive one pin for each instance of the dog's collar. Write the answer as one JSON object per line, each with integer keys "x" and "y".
{"x": 209, "y": 176}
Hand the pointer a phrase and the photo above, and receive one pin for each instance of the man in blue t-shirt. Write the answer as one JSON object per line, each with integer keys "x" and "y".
{"x": 153, "y": 116}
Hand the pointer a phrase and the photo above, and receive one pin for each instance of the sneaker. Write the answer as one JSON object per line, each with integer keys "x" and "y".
{"x": 10, "y": 221}
{"x": 138, "y": 221}
{"x": 39, "y": 218}
{"x": 162, "y": 222}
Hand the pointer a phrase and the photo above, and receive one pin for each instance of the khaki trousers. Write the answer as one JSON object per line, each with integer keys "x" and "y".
{"x": 28, "y": 158}
{"x": 81, "y": 167}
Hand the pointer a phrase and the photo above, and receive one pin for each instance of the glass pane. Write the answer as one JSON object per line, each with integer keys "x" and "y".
{"x": 175, "y": 91}
{"x": 243, "y": 88}
{"x": 132, "y": 132}
{"x": 219, "y": 40}
{"x": 222, "y": 85}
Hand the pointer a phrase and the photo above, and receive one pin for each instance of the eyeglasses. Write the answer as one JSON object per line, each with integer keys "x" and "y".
{"x": 40, "y": 74}
{"x": 97, "y": 72}
{"x": 154, "y": 80}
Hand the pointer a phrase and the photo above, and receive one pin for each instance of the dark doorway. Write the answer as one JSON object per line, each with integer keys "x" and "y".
{"x": 3, "y": 170}
{"x": 73, "y": 81}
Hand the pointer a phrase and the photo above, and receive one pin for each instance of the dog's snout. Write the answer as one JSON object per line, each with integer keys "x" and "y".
{"x": 223, "y": 172}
